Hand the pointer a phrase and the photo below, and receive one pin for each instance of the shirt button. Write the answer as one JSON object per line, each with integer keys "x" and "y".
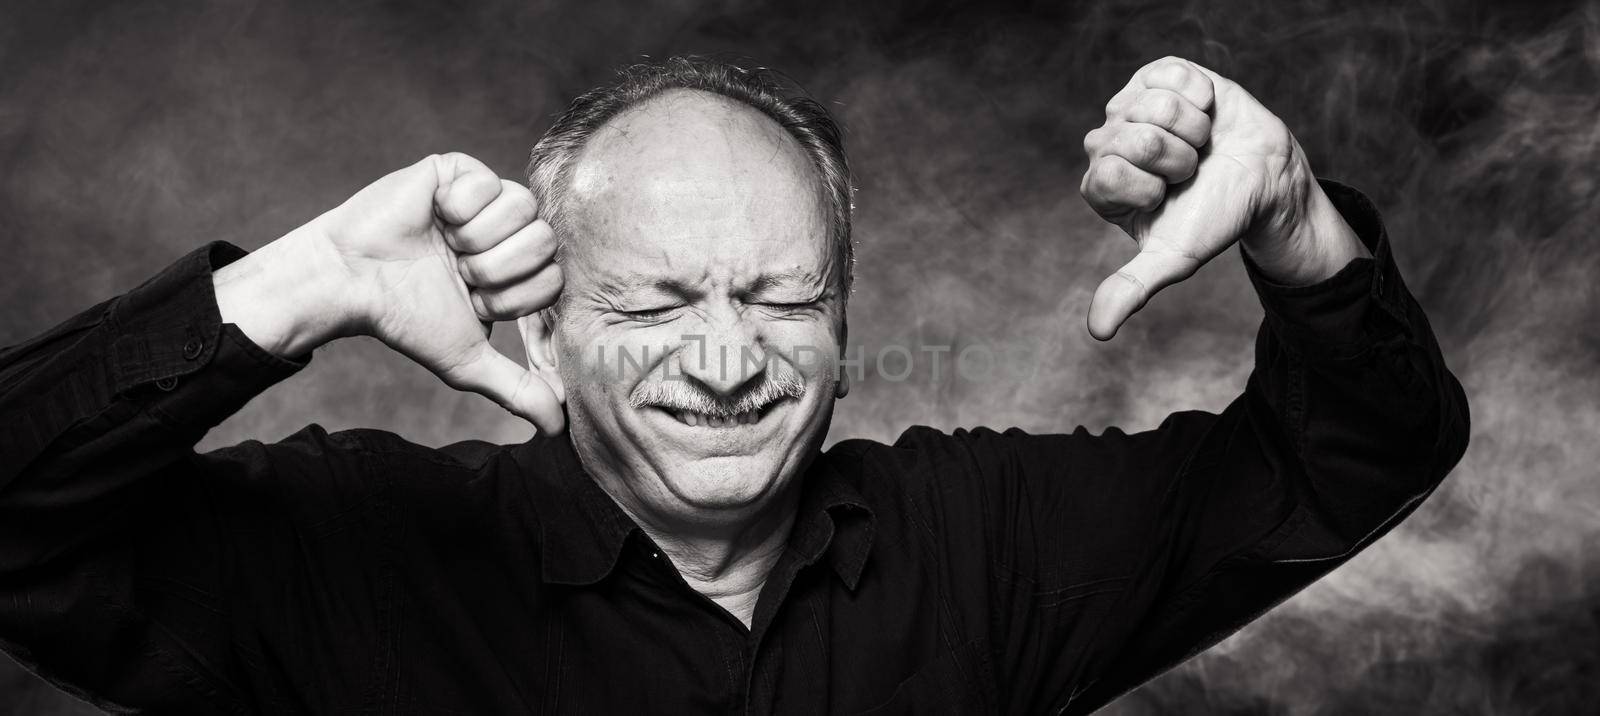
{"x": 167, "y": 384}
{"x": 191, "y": 350}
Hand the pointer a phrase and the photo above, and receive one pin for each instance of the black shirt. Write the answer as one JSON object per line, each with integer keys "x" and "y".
{"x": 965, "y": 572}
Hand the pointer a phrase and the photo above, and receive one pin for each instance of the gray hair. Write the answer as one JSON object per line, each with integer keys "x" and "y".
{"x": 777, "y": 97}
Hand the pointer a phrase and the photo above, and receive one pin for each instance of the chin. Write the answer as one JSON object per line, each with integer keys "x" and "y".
{"x": 724, "y": 483}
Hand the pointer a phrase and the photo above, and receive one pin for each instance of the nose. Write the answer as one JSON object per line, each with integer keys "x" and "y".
{"x": 725, "y": 358}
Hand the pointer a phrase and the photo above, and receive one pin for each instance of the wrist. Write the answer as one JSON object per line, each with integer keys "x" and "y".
{"x": 290, "y": 296}
{"x": 1313, "y": 243}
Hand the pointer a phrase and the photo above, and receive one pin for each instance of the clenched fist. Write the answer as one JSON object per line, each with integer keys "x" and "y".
{"x": 424, "y": 259}
{"x": 1187, "y": 163}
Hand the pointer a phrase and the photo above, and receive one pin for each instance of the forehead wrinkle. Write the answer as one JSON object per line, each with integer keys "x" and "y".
{"x": 738, "y": 272}
{"x": 763, "y": 280}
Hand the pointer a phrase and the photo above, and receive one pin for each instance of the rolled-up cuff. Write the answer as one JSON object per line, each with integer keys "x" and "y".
{"x": 1347, "y": 311}
{"x": 171, "y": 345}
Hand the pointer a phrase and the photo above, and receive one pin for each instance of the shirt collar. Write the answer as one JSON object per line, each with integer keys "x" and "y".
{"x": 582, "y": 532}
{"x": 834, "y": 521}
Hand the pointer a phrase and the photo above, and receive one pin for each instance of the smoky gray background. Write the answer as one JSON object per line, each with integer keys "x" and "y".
{"x": 131, "y": 133}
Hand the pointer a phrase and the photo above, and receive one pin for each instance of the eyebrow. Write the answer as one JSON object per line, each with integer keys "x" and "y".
{"x": 641, "y": 282}
{"x": 774, "y": 280}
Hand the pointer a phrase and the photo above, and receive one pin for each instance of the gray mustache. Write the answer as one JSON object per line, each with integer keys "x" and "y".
{"x": 683, "y": 395}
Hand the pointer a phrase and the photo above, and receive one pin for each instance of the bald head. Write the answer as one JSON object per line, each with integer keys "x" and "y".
{"x": 700, "y": 165}
{"x": 697, "y": 94}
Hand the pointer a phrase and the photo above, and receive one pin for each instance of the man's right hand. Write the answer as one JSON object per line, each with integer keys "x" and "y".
{"x": 423, "y": 259}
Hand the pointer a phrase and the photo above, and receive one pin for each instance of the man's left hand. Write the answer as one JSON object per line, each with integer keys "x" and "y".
{"x": 1187, "y": 163}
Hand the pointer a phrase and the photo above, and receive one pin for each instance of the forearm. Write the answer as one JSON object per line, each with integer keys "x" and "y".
{"x": 1349, "y": 419}
{"x": 1359, "y": 386}
{"x": 113, "y": 398}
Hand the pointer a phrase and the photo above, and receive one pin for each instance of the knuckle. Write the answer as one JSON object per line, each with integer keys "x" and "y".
{"x": 1093, "y": 185}
{"x": 1172, "y": 74}
{"x": 1104, "y": 177}
{"x": 544, "y": 235}
{"x": 1123, "y": 176}
{"x": 471, "y": 242}
{"x": 1152, "y": 144}
{"x": 553, "y": 280}
{"x": 1112, "y": 186}
{"x": 527, "y": 211}
{"x": 489, "y": 273}
{"x": 1093, "y": 140}
{"x": 1156, "y": 64}
{"x": 527, "y": 207}
{"x": 540, "y": 246}
{"x": 543, "y": 288}
{"x": 1143, "y": 144}
{"x": 1163, "y": 108}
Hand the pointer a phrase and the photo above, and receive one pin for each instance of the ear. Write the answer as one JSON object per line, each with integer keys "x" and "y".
{"x": 543, "y": 360}
{"x": 841, "y": 387}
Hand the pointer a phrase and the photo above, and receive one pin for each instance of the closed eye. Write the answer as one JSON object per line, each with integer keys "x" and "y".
{"x": 649, "y": 314}
{"x": 790, "y": 309}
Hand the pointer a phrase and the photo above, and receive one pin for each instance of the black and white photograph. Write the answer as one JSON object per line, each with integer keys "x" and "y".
{"x": 731, "y": 357}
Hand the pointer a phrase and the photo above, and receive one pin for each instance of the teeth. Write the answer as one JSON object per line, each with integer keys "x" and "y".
{"x": 691, "y": 418}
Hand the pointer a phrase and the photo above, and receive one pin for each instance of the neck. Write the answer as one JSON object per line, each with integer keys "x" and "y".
{"x": 727, "y": 559}
{"x": 729, "y": 569}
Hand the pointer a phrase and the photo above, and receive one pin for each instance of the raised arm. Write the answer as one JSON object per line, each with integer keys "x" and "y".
{"x": 1109, "y": 558}
{"x": 1348, "y": 421}
{"x": 118, "y": 543}
{"x": 424, "y": 259}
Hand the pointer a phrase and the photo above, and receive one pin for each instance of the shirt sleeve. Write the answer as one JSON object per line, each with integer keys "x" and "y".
{"x": 1113, "y": 557}
{"x": 116, "y": 551}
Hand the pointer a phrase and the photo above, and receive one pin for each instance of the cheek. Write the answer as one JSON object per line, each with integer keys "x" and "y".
{"x": 608, "y": 359}
{"x": 810, "y": 347}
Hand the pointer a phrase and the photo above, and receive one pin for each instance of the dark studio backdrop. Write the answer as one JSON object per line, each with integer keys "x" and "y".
{"x": 133, "y": 132}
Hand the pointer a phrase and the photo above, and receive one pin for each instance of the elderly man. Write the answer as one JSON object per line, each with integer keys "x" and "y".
{"x": 681, "y": 259}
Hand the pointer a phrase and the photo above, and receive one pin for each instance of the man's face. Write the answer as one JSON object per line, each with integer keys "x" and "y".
{"x": 701, "y": 313}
